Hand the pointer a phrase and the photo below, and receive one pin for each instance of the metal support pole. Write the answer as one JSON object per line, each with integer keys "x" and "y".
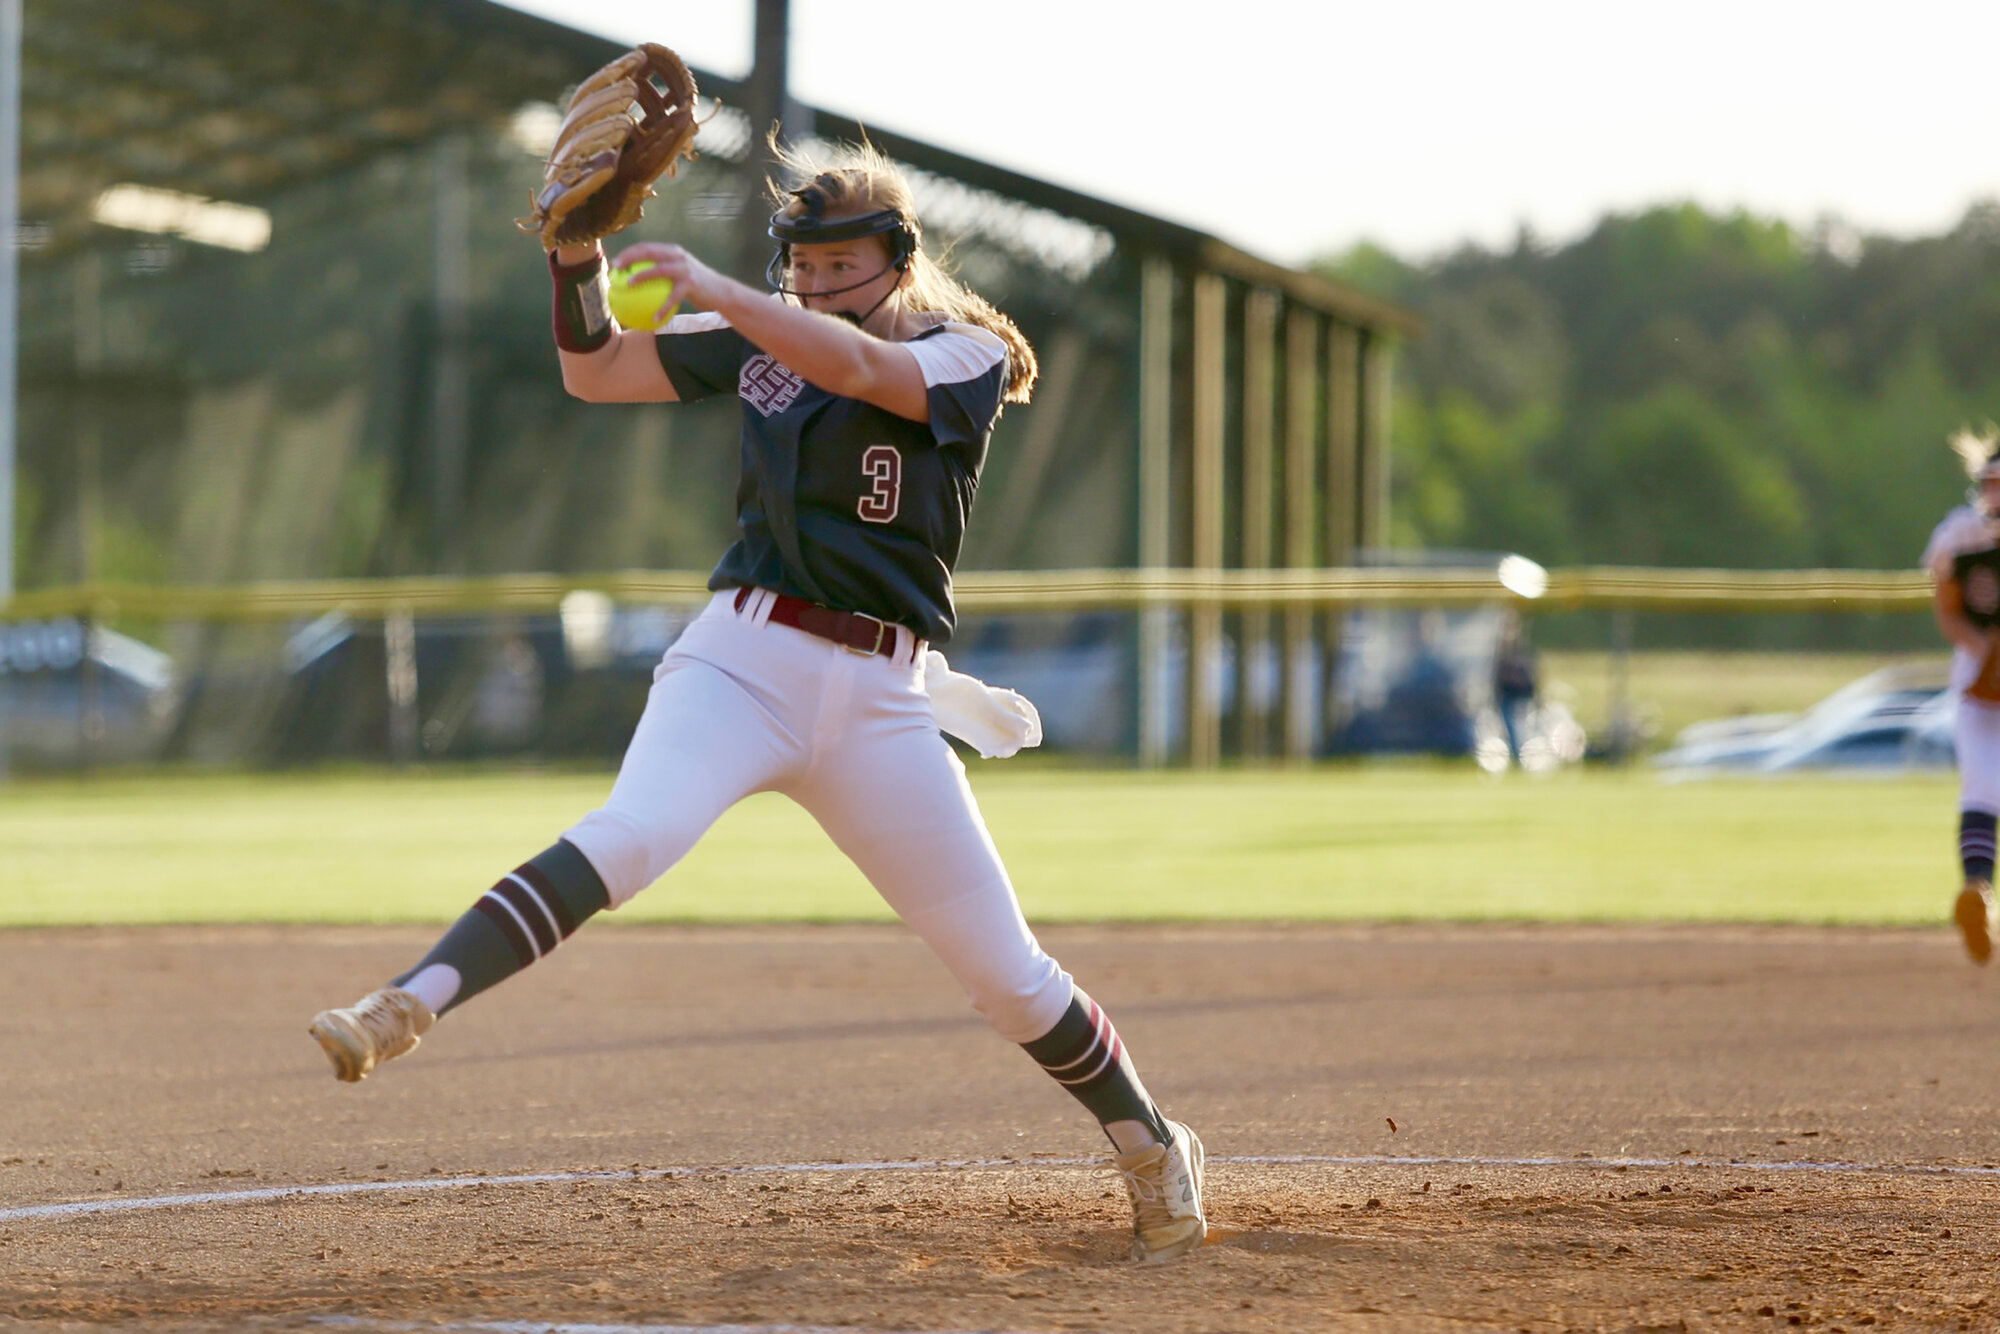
{"x": 89, "y": 694}
{"x": 1378, "y": 362}
{"x": 768, "y": 102}
{"x": 451, "y": 389}
{"x": 1209, "y": 485}
{"x": 1301, "y": 526}
{"x": 1156, "y": 411}
{"x": 399, "y": 657}
{"x": 88, "y": 322}
{"x": 88, "y": 349}
{"x": 10, "y": 297}
{"x": 10, "y": 284}
{"x": 767, "y": 89}
{"x": 1259, "y": 668}
{"x": 1621, "y": 724}
{"x": 1345, "y": 497}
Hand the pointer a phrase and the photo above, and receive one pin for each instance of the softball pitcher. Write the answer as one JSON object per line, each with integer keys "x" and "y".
{"x": 1963, "y": 559}
{"x": 869, "y": 389}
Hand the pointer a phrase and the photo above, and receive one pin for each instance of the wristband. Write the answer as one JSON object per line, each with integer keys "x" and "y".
{"x": 582, "y": 314}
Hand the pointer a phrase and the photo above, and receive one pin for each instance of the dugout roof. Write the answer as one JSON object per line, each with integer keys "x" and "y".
{"x": 239, "y": 99}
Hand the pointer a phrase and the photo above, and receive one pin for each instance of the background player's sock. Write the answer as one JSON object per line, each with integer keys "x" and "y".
{"x": 1084, "y": 1054}
{"x": 529, "y": 912}
{"x": 1975, "y": 844}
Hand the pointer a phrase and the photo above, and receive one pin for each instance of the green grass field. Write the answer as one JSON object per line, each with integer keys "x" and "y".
{"x": 1392, "y": 842}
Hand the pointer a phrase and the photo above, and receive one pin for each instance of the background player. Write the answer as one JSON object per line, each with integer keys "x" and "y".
{"x": 1964, "y": 564}
{"x": 868, "y": 398}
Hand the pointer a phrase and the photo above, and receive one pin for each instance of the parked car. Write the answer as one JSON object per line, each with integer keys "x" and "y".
{"x": 1896, "y": 718}
{"x": 73, "y": 695}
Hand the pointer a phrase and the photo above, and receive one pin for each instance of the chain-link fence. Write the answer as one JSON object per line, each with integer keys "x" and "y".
{"x": 1305, "y": 665}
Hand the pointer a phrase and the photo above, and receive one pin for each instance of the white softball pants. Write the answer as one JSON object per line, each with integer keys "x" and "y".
{"x": 739, "y": 706}
{"x": 1976, "y": 733}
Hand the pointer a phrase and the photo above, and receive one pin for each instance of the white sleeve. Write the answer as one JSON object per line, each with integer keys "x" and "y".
{"x": 962, "y": 352}
{"x": 1960, "y": 531}
{"x": 698, "y": 322}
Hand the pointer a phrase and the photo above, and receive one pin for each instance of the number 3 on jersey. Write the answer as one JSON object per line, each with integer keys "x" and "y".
{"x": 883, "y": 467}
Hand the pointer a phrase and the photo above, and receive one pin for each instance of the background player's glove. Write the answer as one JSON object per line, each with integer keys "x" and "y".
{"x": 1985, "y": 687}
{"x": 620, "y": 134}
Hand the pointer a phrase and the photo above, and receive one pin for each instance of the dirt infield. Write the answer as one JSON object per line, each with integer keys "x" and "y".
{"x": 1808, "y": 1123}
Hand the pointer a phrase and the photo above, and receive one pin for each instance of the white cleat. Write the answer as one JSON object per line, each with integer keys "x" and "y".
{"x": 1164, "y": 1181}
{"x": 381, "y": 1025}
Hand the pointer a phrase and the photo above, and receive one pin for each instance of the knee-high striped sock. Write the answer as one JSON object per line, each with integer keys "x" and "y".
{"x": 1084, "y": 1054}
{"x": 532, "y": 909}
{"x": 1975, "y": 844}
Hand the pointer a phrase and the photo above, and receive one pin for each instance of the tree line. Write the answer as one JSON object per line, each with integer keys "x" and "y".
{"x": 1686, "y": 388}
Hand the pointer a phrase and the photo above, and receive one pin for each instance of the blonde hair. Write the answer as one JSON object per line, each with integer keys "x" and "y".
{"x": 1976, "y": 449}
{"x": 860, "y": 178}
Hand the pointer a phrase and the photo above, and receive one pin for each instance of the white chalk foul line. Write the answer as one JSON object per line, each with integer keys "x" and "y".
{"x": 83, "y": 1207}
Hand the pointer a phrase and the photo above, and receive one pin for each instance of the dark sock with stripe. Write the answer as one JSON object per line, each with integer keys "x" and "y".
{"x": 529, "y": 912}
{"x": 1975, "y": 844}
{"x": 1084, "y": 1054}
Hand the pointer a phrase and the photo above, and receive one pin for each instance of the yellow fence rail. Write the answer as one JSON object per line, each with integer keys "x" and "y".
{"x": 1032, "y": 591}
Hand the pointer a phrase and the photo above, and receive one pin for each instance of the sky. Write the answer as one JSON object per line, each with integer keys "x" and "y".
{"x": 1296, "y": 129}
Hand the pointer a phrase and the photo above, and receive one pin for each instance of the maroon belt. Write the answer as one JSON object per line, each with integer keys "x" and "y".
{"x": 855, "y": 631}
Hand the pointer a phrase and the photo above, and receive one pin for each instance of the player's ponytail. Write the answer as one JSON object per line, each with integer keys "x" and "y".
{"x": 1976, "y": 449}
{"x": 860, "y": 178}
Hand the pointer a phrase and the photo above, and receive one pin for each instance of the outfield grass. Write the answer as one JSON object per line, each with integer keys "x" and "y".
{"x": 1401, "y": 842}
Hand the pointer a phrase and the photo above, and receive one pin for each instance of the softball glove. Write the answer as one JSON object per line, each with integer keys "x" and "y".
{"x": 621, "y": 133}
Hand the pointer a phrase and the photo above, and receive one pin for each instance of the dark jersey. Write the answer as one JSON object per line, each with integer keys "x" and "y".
{"x": 1978, "y": 576}
{"x": 840, "y": 501}
{"x": 1962, "y": 547}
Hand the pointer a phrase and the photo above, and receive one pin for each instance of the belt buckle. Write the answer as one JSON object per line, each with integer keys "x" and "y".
{"x": 881, "y": 629}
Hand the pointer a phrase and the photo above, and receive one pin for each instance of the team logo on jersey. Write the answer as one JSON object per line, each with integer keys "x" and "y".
{"x": 768, "y": 386}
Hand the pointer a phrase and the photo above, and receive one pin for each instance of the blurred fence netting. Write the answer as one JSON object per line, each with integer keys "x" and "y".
{"x": 344, "y": 375}
{"x": 1390, "y": 660}
{"x": 278, "y": 324}
{"x": 363, "y": 384}
{"x": 374, "y": 393}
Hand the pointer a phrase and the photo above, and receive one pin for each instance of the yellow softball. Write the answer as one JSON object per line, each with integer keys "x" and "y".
{"x": 644, "y": 304}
